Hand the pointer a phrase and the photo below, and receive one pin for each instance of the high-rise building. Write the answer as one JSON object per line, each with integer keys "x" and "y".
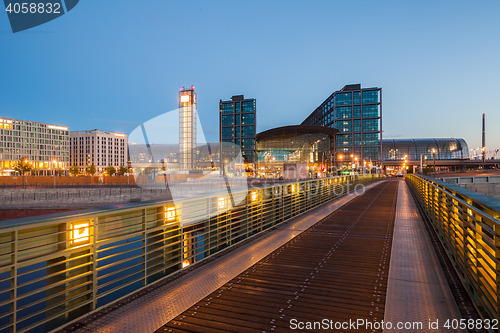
{"x": 98, "y": 148}
{"x": 187, "y": 129}
{"x": 237, "y": 123}
{"x": 44, "y": 146}
{"x": 357, "y": 113}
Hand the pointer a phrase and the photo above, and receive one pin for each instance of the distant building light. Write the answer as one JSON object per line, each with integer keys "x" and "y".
{"x": 120, "y": 135}
{"x": 185, "y": 263}
{"x": 185, "y": 98}
{"x": 62, "y": 128}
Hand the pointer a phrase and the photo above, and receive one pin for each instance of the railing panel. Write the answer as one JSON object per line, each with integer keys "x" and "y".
{"x": 56, "y": 269}
{"x": 468, "y": 227}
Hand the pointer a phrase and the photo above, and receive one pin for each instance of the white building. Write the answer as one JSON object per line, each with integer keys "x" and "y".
{"x": 99, "y": 148}
{"x": 44, "y": 146}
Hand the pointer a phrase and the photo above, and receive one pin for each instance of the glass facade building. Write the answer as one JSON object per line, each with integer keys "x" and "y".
{"x": 445, "y": 149}
{"x": 44, "y": 146}
{"x": 309, "y": 147}
{"x": 357, "y": 114}
{"x": 237, "y": 123}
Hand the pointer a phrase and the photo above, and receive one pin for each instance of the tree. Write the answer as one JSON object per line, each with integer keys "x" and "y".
{"x": 122, "y": 170}
{"x": 23, "y": 166}
{"x": 110, "y": 170}
{"x": 90, "y": 170}
{"x": 74, "y": 170}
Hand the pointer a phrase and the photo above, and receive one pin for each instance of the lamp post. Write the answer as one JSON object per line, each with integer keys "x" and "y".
{"x": 434, "y": 159}
{"x": 25, "y": 160}
{"x": 54, "y": 164}
{"x": 341, "y": 157}
{"x": 483, "y": 150}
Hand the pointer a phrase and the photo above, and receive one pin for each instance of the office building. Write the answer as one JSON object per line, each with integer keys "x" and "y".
{"x": 98, "y": 148}
{"x": 187, "y": 129}
{"x": 44, "y": 146}
{"x": 357, "y": 113}
{"x": 237, "y": 123}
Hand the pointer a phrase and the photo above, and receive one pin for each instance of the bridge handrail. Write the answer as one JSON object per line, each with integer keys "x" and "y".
{"x": 468, "y": 226}
{"x": 57, "y": 268}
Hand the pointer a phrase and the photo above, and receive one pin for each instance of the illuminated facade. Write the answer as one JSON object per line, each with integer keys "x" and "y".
{"x": 99, "y": 148}
{"x": 187, "y": 129}
{"x": 237, "y": 123}
{"x": 444, "y": 148}
{"x": 44, "y": 146}
{"x": 282, "y": 149}
{"x": 357, "y": 113}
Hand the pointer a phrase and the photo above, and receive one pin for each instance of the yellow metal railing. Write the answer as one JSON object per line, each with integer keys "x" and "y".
{"x": 56, "y": 269}
{"x": 468, "y": 226}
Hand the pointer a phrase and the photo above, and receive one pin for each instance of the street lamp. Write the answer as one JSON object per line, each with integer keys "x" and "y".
{"x": 434, "y": 159}
{"x": 25, "y": 161}
{"x": 54, "y": 163}
{"x": 483, "y": 150}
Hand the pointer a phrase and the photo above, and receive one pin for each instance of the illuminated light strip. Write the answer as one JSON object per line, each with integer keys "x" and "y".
{"x": 80, "y": 232}
{"x": 120, "y": 135}
{"x": 58, "y": 127}
{"x": 170, "y": 214}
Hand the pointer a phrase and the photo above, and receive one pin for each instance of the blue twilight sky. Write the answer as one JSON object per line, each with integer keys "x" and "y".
{"x": 113, "y": 64}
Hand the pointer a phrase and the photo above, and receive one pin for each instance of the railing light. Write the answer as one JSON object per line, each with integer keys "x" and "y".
{"x": 80, "y": 233}
{"x": 170, "y": 214}
{"x": 221, "y": 202}
{"x": 253, "y": 196}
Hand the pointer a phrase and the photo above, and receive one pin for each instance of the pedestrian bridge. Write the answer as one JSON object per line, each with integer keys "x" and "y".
{"x": 348, "y": 253}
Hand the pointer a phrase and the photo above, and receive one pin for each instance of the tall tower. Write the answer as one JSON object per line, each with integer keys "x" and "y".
{"x": 187, "y": 128}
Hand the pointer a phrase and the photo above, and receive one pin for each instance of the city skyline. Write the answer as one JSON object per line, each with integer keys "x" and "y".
{"x": 438, "y": 70}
